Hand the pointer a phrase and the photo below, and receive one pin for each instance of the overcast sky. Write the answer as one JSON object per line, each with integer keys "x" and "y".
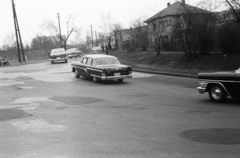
{"x": 32, "y": 13}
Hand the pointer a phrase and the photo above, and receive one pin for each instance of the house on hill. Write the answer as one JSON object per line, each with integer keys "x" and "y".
{"x": 165, "y": 23}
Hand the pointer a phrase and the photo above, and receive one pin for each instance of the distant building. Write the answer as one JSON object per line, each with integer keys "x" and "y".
{"x": 172, "y": 18}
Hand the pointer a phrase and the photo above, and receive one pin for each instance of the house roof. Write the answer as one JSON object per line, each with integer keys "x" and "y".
{"x": 176, "y": 8}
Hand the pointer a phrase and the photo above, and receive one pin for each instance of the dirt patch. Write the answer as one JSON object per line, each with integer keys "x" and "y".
{"x": 76, "y": 100}
{"x": 226, "y": 136}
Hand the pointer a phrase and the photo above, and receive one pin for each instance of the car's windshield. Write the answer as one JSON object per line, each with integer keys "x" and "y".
{"x": 55, "y": 51}
{"x": 100, "y": 62}
{"x": 70, "y": 50}
{"x": 96, "y": 49}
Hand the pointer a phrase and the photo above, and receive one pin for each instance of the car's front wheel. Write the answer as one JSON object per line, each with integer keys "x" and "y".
{"x": 76, "y": 74}
{"x": 217, "y": 93}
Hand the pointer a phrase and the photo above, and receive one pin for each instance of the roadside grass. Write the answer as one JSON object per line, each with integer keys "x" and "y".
{"x": 177, "y": 62}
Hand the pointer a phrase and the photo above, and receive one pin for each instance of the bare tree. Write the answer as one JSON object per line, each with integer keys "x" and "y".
{"x": 116, "y": 32}
{"x": 101, "y": 38}
{"x": 234, "y": 6}
{"x": 195, "y": 31}
{"x": 77, "y": 36}
{"x": 107, "y": 28}
{"x": 55, "y": 33}
{"x": 9, "y": 41}
{"x": 159, "y": 30}
{"x": 140, "y": 34}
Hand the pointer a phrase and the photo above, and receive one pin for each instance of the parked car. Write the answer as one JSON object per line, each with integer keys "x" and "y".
{"x": 96, "y": 50}
{"x": 101, "y": 67}
{"x": 220, "y": 85}
{"x": 73, "y": 52}
{"x": 58, "y": 54}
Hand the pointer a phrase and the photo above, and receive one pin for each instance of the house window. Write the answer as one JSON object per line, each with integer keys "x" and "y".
{"x": 154, "y": 27}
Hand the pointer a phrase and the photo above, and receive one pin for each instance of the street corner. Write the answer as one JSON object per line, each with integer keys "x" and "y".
{"x": 142, "y": 75}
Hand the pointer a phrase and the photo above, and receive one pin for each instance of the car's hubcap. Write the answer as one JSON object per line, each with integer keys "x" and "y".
{"x": 216, "y": 93}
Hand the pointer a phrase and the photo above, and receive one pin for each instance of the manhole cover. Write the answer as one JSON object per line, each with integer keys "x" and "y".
{"x": 227, "y": 136}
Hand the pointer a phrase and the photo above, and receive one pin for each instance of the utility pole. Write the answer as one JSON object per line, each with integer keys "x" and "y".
{"x": 59, "y": 25}
{"x": 96, "y": 38}
{"x": 92, "y": 35}
{"x": 18, "y": 35}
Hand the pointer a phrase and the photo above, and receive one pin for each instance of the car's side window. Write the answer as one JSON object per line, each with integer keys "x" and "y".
{"x": 84, "y": 60}
{"x": 93, "y": 63}
{"x": 89, "y": 62}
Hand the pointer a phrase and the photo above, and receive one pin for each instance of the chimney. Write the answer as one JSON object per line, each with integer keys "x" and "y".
{"x": 168, "y": 4}
{"x": 183, "y": 2}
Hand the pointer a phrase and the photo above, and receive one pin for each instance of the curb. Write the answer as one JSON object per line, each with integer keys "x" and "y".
{"x": 21, "y": 64}
{"x": 166, "y": 73}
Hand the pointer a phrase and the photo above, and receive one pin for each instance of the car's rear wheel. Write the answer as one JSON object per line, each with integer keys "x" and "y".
{"x": 52, "y": 62}
{"x": 120, "y": 80}
{"x": 76, "y": 74}
{"x": 217, "y": 93}
{"x": 66, "y": 61}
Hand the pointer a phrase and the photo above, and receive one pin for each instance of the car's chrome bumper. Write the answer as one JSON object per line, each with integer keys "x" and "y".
{"x": 115, "y": 77}
{"x": 59, "y": 59}
{"x": 201, "y": 90}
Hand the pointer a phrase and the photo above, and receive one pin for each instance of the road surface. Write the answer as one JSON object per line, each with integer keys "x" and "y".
{"x": 45, "y": 112}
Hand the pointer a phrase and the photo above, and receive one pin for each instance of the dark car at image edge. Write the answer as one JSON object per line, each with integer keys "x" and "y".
{"x": 220, "y": 85}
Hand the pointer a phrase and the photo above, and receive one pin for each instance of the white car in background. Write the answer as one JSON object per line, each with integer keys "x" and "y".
{"x": 73, "y": 52}
{"x": 58, "y": 54}
{"x": 96, "y": 50}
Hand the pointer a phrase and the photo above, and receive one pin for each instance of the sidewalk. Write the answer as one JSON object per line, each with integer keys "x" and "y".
{"x": 16, "y": 63}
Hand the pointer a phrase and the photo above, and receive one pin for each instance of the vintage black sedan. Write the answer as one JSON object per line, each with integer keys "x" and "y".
{"x": 220, "y": 85}
{"x": 100, "y": 67}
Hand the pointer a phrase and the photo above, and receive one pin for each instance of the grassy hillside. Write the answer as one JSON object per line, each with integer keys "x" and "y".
{"x": 178, "y": 62}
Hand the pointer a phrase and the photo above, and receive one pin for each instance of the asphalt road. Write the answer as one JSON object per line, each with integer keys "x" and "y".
{"x": 45, "y": 112}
